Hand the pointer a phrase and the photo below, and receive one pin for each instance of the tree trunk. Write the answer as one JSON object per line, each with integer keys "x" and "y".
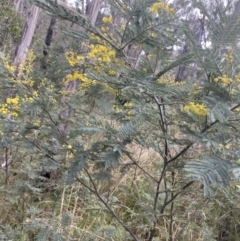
{"x": 48, "y": 39}
{"x": 27, "y": 35}
{"x": 17, "y": 4}
{"x": 92, "y": 10}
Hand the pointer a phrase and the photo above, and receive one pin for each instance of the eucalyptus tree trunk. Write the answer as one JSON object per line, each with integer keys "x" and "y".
{"x": 17, "y": 4}
{"x": 92, "y": 10}
{"x": 27, "y": 35}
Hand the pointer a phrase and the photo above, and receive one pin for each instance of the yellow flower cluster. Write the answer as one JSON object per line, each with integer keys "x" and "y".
{"x": 224, "y": 80}
{"x": 170, "y": 80}
{"x": 127, "y": 109}
{"x": 195, "y": 88}
{"x": 37, "y": 123}
{"x": 199, "y": 109}
{"x": 7, "y": 65}
{"x": 237, "y": 78}
{"x": 104, "y": 29}
{"x": 73, "y": 59}
{"x": 47, "y": 84}
{"x": 107, "y": 19}
{"x": 11, "y": 107}
{"x": 76, "y": 75}
{"x": 161, "y": 5}
{"x": 129, "y": 104}
{"x": 28, "y": 82}
{"x": 69, "y": 146}
{"x": 100, "y": 57}
{"x": 13, "y": 101}
{"x": 237, "y": 110}
{"x": 112, "y": 72}
{"x": 30, "y": 97}
{"x": 109, "y": 89}
{"x": 27, "y": 99}
{"x": 101, "y": 53}
{"x": 25, "y": 68}
{"x": 94, "y": 38}
{"x": 86, "y": 83}
{"x": 229, "y": 58}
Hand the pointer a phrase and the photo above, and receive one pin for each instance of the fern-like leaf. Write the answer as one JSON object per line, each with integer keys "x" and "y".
{"x": 212, "y": 171}
{"x": 78, "y": 163}
{"x": 125, "y": 130}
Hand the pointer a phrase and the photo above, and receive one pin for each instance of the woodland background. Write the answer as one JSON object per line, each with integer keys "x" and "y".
{"x": 119, "y": 120}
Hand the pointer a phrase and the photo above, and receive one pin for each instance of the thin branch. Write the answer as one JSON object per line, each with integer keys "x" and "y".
{"x": 180, "y": 153}
{"x": 135, "y": 163}
{"x": 39, "y": 148}
{"x": 139, "y": 34}
{"x": 171, "y": 211}
{"x": 126, "y": 26}
{"x": 175, "y": 196}
{"x": 86, "y": 186}
{"x": 50, "y": 117}
{"x": 6, "y": 161}
{"x": 164, "y": 130}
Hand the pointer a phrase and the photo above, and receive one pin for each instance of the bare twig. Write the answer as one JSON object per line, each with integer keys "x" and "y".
{"x": 144, "y": 171}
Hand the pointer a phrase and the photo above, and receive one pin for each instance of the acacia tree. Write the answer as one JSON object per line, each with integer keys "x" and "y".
{"x": 128, "y": 64}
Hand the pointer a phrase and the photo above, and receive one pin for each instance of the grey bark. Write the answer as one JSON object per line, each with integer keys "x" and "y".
{"x": 17, "y": 4}
{"x": 27, "y": 35}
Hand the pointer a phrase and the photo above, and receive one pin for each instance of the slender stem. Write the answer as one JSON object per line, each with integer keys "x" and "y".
{"x": 171, "y": 211}
{"x": 39, "y": 148}
{"x": 175, "y": 196}
{"x": 86, "y": 186}
{"x": 125, "y": 29}
{"x": 6, "y": 165}
{"x": 135, "y": 163}
{"x": 139, "y": 34}
{"x": 165, "y": 157}
{"x": 158, "y": 186}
